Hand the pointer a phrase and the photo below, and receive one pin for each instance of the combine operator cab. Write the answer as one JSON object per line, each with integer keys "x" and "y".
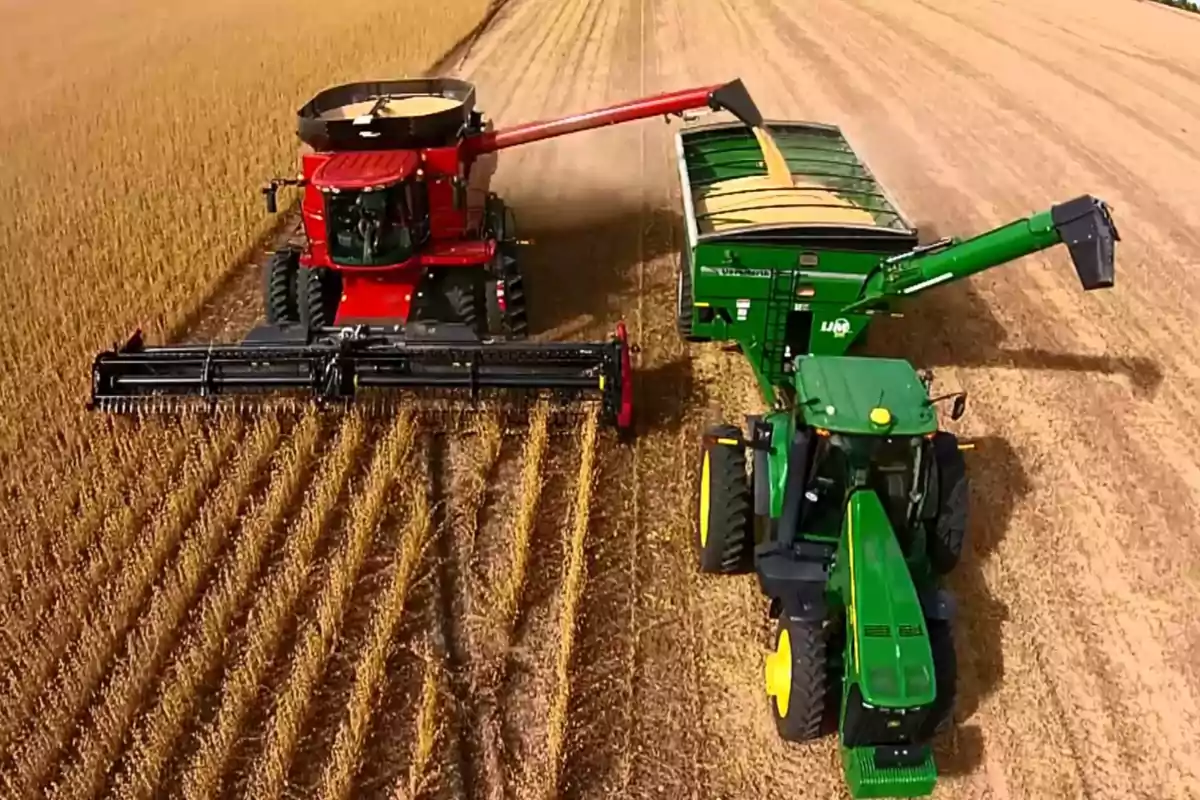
{"x": 853, "y": 511}
{"x": 398, "y": 224}
{"x": 376, "y": 226}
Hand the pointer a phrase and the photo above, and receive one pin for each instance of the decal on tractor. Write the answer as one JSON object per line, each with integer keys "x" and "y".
{"x": 838, "y": 327}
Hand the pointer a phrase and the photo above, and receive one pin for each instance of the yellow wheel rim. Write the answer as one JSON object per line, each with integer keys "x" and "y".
{"x": 704, "y": 501}
{"x": 779, "y": 673}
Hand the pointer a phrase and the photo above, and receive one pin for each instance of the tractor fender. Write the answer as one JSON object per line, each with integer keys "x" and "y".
{"x": 806, "y": 606}
{"x": 796, "y": 587}
{"x": 806, "y": 603}
{"x": 939, "y": 604}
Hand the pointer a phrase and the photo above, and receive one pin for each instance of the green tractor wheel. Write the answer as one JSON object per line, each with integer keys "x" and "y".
{"x": 796, "y": 675}
{"x": 725, "y": 533}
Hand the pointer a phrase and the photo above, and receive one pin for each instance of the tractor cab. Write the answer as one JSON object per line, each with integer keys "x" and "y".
{"x": 868, "y": 421}
{"x": 845, "y": 462}
{"x": 376, "y": 211}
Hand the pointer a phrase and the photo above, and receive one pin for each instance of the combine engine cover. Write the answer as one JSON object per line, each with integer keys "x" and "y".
{"x": 350, "y": 365}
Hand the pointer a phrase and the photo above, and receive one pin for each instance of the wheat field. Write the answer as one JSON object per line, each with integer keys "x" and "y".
{"x": 496, "y": 605}
{"x": 133, "y": 152}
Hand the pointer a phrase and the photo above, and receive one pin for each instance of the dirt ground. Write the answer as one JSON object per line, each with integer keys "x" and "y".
{"x": 1079, "y": 643}
{"x": 404, "y": 612}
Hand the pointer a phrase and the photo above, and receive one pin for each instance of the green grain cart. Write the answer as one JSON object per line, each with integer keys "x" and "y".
{"x": 846, "y": 498}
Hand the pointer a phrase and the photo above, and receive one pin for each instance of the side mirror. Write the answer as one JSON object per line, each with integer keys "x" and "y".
{"x": 960, "y": 403}
{"x": 272, "y": 186}
{"x": 960, "y": 406}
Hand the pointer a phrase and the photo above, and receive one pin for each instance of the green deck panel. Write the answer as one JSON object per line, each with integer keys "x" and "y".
{"x": 819, "y": 156}
{"x": 889, "y": 648}
{"x": 837, "y": 393}
{"x": 864, "y": 779}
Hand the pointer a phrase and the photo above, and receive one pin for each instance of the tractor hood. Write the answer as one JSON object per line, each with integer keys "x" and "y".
{"x": 887, "y": 644}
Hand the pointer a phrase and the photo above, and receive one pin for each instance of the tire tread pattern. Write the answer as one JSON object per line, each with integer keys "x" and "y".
{"x": 729, "y": 531}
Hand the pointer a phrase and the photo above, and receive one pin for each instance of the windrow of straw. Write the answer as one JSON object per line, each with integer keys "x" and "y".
{"x": 98, "y": 743}
{"x": 56, "y": 606}
{"x": 269, "y": 773}
{"x": 155, "y": 736}
{"x": 204, "y": 775}
{"x": 575, "y": 572}
{"x": 337, "y": 780}
{"x": 84, "y": 664}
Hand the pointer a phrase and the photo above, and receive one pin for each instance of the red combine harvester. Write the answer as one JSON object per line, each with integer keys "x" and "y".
{"x": 407, "y": 277}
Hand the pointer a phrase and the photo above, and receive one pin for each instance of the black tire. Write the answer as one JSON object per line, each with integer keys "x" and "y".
{"x": 803, "y": 671}
{"x": 511, "y": 322}
{"x": 462, "y": 291}
{"x": 724, "y": 532}
{"x": 945, "y": 670}
{"x": 946, "y": 533}
{"x": 683, "y": 304}
{"x": 320, "y": 293}
{"x": 835, "y": 672}
{"x": 279, "y": 287}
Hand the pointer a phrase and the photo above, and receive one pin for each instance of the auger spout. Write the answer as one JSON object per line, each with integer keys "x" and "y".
{"x": 1083, "y": 224}
{"x": 732, "y": 97}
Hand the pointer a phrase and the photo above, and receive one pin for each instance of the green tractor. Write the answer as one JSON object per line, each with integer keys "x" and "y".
{"x": 846, "y": 499}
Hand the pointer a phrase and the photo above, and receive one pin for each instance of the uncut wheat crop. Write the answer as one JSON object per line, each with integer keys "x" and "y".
{"x": 154, "y": 574}
{"x": 133, "y": 148}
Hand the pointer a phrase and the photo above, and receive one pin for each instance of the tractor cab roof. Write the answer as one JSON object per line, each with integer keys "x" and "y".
{"x": 856, "y": 395}
{"x": 364, "y": 169}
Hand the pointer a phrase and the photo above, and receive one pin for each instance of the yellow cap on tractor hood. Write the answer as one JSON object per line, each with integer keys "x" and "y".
{"x": 880, "y": 416}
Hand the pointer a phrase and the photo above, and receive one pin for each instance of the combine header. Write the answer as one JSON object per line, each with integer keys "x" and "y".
{"x": 407, "y": 274}
{"x": 846, "y": 498}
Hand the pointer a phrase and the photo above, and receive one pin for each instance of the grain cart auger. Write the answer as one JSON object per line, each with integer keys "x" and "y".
{"x": 846, "y": 499}
{"x": 406, "y": 273}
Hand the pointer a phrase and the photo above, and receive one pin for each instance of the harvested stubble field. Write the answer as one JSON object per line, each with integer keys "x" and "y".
{"x": 300, "y": 606}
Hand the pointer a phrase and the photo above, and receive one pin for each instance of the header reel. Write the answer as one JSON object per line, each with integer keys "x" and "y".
{"x": 286, "y": 367}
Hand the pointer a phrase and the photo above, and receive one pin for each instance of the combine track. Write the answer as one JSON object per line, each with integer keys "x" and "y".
{"x": 387, "y": 608}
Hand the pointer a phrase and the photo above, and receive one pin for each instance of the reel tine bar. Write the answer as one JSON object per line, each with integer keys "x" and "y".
{"x": 336, "y": 371}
